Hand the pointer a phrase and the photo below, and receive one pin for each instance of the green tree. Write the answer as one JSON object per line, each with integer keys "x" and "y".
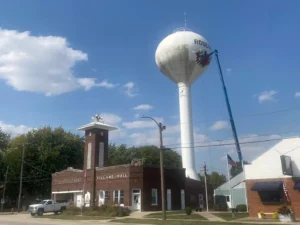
{"x": 47, "y": 151}
{"x": 4, "y": 143}
{"x": 149, "y": 154}
{"x": 235, "y": 170}
{"x": 214, "y": 178}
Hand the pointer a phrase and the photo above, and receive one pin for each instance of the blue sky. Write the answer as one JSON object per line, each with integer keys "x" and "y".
{"x": 85, "y": 57}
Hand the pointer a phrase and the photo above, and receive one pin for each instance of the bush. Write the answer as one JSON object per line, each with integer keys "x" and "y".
{"x": 275, "y": 215}
{"x": 284, "y": 210}
{"x": 241, "y": 208}
{"x": 104, "y": 210}
{"x": 216, "y": 207}
{"x": 188, "y": 210}
{"x": 72, "y": 211}
{"x": 221, "y": 207}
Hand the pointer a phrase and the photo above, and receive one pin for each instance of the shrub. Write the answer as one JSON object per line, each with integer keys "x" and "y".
{"x": 188, "y": 210}
{"x": 104, "y": 210}
{"x": 241, "y": 208}
{"x": 72, "y": 211}
{"x": 285, "y": 210}
{"x": 221, "y": 207}
{"x": 216, "y": 207}
{"x": 275, "y": 215}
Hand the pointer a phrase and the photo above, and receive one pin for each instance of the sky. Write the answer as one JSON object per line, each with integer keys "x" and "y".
{"x": 61, "y": 62}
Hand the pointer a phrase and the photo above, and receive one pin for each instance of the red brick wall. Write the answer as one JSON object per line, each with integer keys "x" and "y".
{"x": 193, "y": 189}
{"x": 255, "y": 205}
{"x": 174, "y": 180}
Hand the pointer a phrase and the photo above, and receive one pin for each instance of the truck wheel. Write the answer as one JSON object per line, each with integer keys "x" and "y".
{"x": 32, "y": 214}
{"x": 40, "y": 212}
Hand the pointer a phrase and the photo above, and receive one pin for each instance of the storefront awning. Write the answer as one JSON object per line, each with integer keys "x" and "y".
{"x": 267, "y": 186}
{"x": 297, "y": 185}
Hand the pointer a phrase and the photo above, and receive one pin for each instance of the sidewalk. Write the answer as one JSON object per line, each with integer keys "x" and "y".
{"x": 209, "y": 216}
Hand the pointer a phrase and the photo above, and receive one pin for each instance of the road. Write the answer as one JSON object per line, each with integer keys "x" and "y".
{"x": 25, "y": 219}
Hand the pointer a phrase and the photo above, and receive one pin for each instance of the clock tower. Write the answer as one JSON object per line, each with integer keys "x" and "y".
{"x": 95, "y": 151}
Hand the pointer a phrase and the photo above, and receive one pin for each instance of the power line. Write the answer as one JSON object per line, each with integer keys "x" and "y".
{"x": 240, "y": 138}
{"x": 37, "y": 168}
{"x": 226, "y": 144}
{"x": 253, "y": 115}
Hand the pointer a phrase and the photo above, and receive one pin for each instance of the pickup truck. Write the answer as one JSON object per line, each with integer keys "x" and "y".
{"x": 46, "y": 206}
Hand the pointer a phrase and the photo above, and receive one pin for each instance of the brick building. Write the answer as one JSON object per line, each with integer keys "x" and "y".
{"x": 261, "y": 184}
{"x": 267, "y": 175}
{"x": 134, "y": 185}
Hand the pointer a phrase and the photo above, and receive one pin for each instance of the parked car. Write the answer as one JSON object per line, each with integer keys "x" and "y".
{"x": 46, "y": 206}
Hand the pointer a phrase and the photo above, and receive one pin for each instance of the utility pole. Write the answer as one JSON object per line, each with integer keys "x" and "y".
{"x": 162, "y": 176}
{"x": 205, "y": 180}
{"x": 3, "y": 194}
{"x": 21, "y": 178}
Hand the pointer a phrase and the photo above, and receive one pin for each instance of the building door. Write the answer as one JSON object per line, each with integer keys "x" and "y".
{"x": 182, "y": 199}
{"x": 101, "y": 198}
{"x": 228, "y": 201}
{"x": 136, "y": 200}
{"x": 78, "y": 200}
{"x": 201, "y": 202}
{"x": 87, "y": 197}
{"x": 169, "y": 199}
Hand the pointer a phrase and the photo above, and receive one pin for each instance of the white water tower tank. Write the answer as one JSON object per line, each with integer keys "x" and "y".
{"x": 182, "y": 57}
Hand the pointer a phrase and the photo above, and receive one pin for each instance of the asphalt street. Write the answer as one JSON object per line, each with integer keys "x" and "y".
{"x": 26, "y": 219}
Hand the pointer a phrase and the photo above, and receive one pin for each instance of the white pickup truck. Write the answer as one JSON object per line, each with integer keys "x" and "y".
{"x": 46, "y": 206}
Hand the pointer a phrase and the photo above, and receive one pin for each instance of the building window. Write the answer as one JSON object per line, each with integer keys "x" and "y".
{"x": 89, "y": 156}
{"x": 104, "y": 194}
{"x": 154, "y": 197}
{"x": 271, "y": 196}
{"x": 119, "y": 196}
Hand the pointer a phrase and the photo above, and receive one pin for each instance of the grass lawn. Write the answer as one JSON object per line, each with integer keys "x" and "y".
{"x": 175, "y": 222}
{"x": 176, "y": 215}
{"x": 73, "y": 217}
{"x": 228, "y": 216}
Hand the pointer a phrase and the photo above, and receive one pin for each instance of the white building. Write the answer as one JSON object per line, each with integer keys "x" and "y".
{"x": 266, "y": 175}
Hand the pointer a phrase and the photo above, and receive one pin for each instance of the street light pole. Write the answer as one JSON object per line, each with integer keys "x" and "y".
{"x": 162, "y": 176}
{"x": 21, "y": 178}
{"x": 3, "y": 194}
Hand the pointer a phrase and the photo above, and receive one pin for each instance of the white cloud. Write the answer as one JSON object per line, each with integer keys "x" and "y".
{"x": 143, "y": 107}
{"x": 137, "y": 115}
{"x": 111, "y": 119}
{"x": 267, "y": 96}
{"x": 88, "y": 83}
{"x": 198, "y": 138}
{"x": 297, "y": 95}
{"x": 151, "y": 137}
{"x": 219, "y": 125}
{"x": 228, "y": 70}
{"x": 140, "y": 124}
{"x": 131, "y": 89}
{"x": 41, "y": 64}
{"x": 117, "y": 134}
{"x": 14, "y": 130}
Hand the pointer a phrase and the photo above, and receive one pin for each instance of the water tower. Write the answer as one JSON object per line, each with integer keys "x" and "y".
{"x": 182, "y": 57}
